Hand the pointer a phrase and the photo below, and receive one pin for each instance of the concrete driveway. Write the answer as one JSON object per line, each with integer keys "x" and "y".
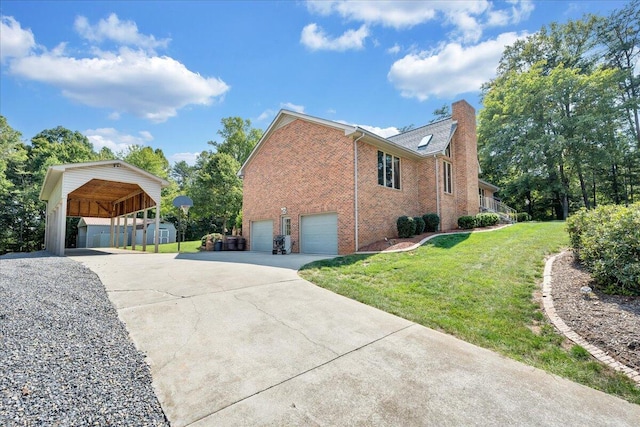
{"x": 237, "y": 338}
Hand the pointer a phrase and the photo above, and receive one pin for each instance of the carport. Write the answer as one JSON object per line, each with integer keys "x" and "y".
{"x": 105, "y": 189}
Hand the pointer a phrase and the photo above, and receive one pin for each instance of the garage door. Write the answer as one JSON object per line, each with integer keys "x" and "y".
{"x": 319, "y": 234}
{"x": 262, "y": 236}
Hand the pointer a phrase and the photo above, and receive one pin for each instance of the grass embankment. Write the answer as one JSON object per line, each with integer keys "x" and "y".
{"x": 477, "y": 287}
{"x": 169, "y": 248}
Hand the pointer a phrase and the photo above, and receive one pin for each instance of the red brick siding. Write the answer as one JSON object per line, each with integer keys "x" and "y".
{"x": 465, "y": 155}
{"x": 379, "y": 207}
{"x": 307, "y": 168}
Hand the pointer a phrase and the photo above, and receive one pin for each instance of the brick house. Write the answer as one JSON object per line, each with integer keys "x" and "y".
{"x": 334, "y": 188}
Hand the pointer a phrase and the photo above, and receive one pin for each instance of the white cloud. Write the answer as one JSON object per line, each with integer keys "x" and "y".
{"x": 451, "y": 70}
{"x": 314, "y": 38}
{"x": 127, "y": 80}
{"x": 190, "y": 158}
{"x": 468, "y": 18}
{"x": 395, "y": 49}
{"x": 383, "y": 132}
{"x": 124, "y": 33}
{"x": 152, "y": 87}
{"x": 266, "y": 114}
{"x": 396, "y": 14}
{"x": 114, "y": 140}
{"x": 15, "y": 42}
{"x": 292, "y": 107}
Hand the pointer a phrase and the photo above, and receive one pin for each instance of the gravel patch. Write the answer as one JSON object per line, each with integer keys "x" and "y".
{"x": 65, "y": 357}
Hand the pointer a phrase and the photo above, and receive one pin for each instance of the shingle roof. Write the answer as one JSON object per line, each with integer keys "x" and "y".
{"x": 441, "y": 130}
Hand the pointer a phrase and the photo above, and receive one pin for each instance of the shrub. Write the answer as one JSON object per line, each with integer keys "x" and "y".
{"x": 420, "y": 224}
{"x": 406, "y": 226}
{"x": 523, "y": 217}
{"x": 431, "y": 221}
{"x": 487, "y": 219}
{"x": 466, "y": 222}
{"x": 607, "y": 242}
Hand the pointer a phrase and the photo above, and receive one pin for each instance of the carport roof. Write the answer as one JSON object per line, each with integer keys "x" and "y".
{"x": 54, "y": 173}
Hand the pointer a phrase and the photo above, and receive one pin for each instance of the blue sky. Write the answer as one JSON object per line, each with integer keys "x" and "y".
{"x": 165, "y": 73}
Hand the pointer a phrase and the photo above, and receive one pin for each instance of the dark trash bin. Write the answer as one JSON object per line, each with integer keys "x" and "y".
{"x": 217, "y": 246}
{"x": 232, "y": 243}
{"x": 242, "y": 243}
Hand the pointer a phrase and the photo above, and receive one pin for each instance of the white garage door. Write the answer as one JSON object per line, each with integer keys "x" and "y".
{"x": 262, "y": 236}
{"x": 319, "y": 234}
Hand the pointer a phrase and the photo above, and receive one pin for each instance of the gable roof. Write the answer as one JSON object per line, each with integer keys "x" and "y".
{"x": 56, "y": 171}
{"x": 406, "y": 143}
{"x": 441, "y": 133}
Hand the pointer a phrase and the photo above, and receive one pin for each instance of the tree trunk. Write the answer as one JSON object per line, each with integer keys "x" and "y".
{"x": 583, "y": 189}
{"x": 614, "y": 183}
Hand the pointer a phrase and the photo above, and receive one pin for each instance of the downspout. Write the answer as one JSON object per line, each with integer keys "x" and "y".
{"x": 355, "y": 190}
{"x": 435, "y": 157}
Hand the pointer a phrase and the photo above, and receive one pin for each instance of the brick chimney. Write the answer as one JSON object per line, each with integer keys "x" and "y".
{"x": 465, "y": 159}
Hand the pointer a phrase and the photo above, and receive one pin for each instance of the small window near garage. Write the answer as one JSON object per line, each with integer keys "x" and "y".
{"x": 448, "y": 178}
{"x": 388, "y": 170}
{"x": 286, "y": 226}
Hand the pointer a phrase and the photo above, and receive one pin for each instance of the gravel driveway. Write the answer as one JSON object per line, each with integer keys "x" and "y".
{"x": 66, "y": 359}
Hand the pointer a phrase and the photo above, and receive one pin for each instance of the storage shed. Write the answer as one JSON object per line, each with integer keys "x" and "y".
{"x": 105, "y": 189}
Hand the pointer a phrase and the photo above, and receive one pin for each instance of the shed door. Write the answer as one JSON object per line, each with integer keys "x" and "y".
{"x": 319, "y": 234}
{"x": 262, "y": 236}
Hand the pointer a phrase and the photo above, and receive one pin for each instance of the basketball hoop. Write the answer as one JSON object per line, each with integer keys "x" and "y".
{"x": 184, "y": 203}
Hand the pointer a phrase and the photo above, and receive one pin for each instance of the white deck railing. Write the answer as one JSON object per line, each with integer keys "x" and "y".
{"x": 489, "y": 204}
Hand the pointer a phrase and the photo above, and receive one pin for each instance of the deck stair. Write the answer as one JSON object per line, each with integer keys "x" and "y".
{"x": 506, "y": 213}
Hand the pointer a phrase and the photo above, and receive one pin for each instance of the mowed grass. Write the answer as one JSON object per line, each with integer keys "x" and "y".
{"x": 478, "y": 287}
{"x": 169, "y": 248}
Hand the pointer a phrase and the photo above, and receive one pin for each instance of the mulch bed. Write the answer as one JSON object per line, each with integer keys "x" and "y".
{"x": 610, "y": 322}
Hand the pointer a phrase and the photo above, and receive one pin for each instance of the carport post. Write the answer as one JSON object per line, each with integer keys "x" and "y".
{"x": 111, "y": 232}
{"x": 157, "y": 230}
{"x": 62, "y": 225}
{"x": 118, "y": 234}
{"x": 124, "y": 244}
{"x": 133, "y": 231}
{"x": 144, "y": 230}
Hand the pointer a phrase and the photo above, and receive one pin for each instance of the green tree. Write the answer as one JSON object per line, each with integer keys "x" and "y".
{"x": 183, "y": 174}
{"x": 549, "y": 131}
{"x": 217, "y": 190}
{"x": 239, "y": 138}
{"x": 148, "y": 159}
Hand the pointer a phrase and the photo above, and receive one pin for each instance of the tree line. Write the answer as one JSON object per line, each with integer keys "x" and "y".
{"x": 559, "y": 128}
{"x": 212, "y": 182}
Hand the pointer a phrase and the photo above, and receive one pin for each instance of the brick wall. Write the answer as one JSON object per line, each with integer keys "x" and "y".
{"x": 379, "y": 207}
{"x": 307, "y": 168}
{"x": 465, "y": 158}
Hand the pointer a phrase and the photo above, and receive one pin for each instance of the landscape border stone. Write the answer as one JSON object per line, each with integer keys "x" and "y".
{"x": 570, "y": 334}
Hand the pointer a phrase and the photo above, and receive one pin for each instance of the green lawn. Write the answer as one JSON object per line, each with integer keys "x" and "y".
{"x": 169, "y": 248}
{"x": 478, "y": 287}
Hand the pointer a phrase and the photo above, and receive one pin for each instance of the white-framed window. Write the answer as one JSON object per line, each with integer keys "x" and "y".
{"x": 388, "y": 170}
{"x": 286, "y": 226}
{"x": 448, "y": 177}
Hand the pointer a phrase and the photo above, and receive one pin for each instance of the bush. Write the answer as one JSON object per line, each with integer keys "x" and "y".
{"x": 523, "y": 217}
{"x": 466, "y": 222}
{"x": 406, "y": 226}
{"x": 607, "y": 242}
{"x": 431, "y": 222}
{"x": 213, "y": 236}
{"x": 487, "y": 219}
{"x": 420, "y": 224}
